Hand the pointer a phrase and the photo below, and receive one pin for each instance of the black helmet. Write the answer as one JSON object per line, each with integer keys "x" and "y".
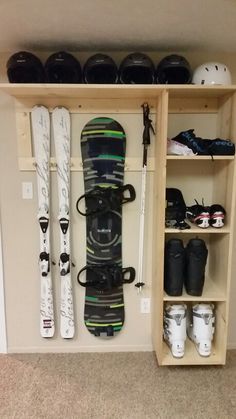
{"x": 137, "y": 68}
{"x": 173, "y": 69}
{"x": 24, "y": 67}
{"x": 100, "y": 68}
{"x": 63, "y": 67}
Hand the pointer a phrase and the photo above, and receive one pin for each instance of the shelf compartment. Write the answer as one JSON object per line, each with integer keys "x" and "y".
{"x": 191, "y": 356}
{"x": 210, "y": 181}
{"x": 211, "y": 292}
{"x": 216, "y": 273}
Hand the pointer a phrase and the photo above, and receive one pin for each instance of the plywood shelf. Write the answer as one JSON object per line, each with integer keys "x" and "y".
{"x": 191, "y": 356}
{"x": 113, "y": 91}
{"x": 199, "y": 231}
{"x": 199, "y": 158}
{"x": 81, "y": 91}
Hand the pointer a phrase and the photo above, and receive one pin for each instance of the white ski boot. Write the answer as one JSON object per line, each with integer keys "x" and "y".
{"x": 202, "y": 327}
{"x": 175, "y": 328}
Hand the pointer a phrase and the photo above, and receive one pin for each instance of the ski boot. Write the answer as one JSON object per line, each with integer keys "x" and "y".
{"x": 175, "y": 328}
{"x": 217, "y": 216}
{"x": 196, "y": 258}
{"x": 202, "y": 327}
{"x": 174, "y": 267}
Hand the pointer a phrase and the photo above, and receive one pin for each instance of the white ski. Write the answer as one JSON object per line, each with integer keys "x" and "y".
{"x": 61, "y": 133}
{"x": 41, "y": 140}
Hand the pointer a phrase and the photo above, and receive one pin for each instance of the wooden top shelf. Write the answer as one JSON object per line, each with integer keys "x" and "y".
{"x": 117, "y": 91}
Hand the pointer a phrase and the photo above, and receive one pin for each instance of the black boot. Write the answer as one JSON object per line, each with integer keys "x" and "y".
{"x": 174, "y": 267}
{"x": 196, "y": 258}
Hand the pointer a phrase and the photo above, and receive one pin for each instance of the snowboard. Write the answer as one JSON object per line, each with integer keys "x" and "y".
{"x": 103, "y": 145}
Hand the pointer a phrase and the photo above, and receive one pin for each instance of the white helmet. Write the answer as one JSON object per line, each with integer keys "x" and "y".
{"x": 212, "y": 73}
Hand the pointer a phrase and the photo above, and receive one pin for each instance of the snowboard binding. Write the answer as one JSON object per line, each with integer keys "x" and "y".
{"x": 106, "y": 277}
{"x": 44, "y": 263}
{"x": 101, "y": 200}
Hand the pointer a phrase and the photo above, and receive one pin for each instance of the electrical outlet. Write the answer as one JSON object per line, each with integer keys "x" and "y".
{"x": 27, "y": 190}
{"x": 145, "y": 305}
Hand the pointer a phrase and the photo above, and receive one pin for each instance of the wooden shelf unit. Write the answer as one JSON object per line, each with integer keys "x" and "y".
{"x": 198, "y": 177}
{"x": 215, "y": 179}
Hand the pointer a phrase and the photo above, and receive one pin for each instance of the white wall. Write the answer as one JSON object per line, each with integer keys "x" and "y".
{"x": 3, "y": 335}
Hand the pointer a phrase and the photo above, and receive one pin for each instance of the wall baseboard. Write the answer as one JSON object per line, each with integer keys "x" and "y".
{"x": 89, "y": 349}
{"x": 231, "y": 345}
{"x": 82, "y": 349}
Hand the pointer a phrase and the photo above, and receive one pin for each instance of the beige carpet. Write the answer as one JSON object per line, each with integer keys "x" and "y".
{"x": 113, "y": 386}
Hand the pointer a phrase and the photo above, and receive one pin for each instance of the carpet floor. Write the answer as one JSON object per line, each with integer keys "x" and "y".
{"x": 113, "y": 386}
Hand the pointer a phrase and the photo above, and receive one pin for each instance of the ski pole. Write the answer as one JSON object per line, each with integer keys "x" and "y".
{"x": 147, "y": 122}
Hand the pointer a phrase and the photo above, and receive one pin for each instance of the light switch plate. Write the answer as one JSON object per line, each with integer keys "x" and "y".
{"x": 145, "y": 305}
{"x": 27, "y": 190}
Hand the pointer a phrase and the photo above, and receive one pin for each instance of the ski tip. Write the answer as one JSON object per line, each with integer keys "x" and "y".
{"x": 39, "y": 107}
{"x": 60, "y": 109}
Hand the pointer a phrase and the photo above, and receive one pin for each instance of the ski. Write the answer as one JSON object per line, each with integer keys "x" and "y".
{"x": 61, "y": 133}
{"x": 41, "y": 140}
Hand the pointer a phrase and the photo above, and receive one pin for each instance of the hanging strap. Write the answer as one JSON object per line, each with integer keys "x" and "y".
{"x": 106, "y": 277}
{"x": 102, "y": 200}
